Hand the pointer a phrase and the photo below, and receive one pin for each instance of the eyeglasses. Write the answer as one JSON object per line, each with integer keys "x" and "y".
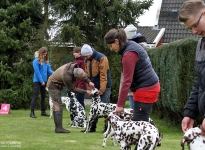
{"x": 195, "y": 25}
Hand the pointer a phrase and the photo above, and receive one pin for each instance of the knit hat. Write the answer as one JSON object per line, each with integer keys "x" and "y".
{"x": 130, "y": 31}
{"x": 86, "y": 50}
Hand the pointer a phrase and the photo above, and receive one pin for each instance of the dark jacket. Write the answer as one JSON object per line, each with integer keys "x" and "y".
{"x": 98, "y": 71}
{"x": 81, "y": 63}
{"x": 144, "y": 74}
{"x": 196, "y": 103}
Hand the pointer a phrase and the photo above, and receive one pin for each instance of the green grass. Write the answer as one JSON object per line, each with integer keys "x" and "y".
{"x": 18, "y": 129}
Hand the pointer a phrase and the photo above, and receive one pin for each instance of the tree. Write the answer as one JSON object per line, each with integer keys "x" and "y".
{"x": 88, "y": 21}
{"x": 19, "y": 25}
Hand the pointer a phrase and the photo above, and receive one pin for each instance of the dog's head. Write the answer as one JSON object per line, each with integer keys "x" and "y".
{"x": 190, "y": 135}
{"x": 94, "y": 92}
{"x": 70, "y": 94}
{"x": 127, "y": 114}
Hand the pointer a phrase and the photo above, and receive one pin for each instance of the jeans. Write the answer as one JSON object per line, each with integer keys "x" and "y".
{"x": 131, "y": 101}
{"x": 105, "y": 98}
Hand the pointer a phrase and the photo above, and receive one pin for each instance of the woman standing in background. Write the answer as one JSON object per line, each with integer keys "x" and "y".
{"x": 41, "y": 68}
{"x": 80, "y": 60}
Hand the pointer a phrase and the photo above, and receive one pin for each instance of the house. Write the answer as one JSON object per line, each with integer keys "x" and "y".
{"x": 168, "y": 28}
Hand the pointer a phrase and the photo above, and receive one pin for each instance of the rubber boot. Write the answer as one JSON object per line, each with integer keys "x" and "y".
{"x": 58, "y": 122}
{"x": 43, "y": 113}
{"x": 32, "y": 114}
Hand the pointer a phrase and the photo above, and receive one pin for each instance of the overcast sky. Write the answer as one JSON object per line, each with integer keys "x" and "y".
{"x": 150, "y": 16}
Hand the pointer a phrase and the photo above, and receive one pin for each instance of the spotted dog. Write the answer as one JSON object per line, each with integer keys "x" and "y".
{"x": 77, "y": 112}
{"x": 194, "y": 139}
{"x": 65, "y": 100}
{"x": 126, "y": 115}
{"x": 98, "y": 109}
{"x": 128, "y": 133}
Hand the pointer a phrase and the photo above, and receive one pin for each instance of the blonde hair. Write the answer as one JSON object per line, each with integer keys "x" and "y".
{"x": 41, "y": 57}
{"x": 190, "y": 8}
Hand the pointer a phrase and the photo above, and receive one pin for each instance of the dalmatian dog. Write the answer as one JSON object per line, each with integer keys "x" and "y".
{"x": 98, "y": 109}
{"x": 194, "y": 139}
{"x": 65, "y": 100}
{"x": 77, "y": 112}
{"x": 126, "y": 115}
{"x": 128, "y": 133}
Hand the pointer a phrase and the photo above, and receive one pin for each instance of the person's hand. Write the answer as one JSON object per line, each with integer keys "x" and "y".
{"x": 42, "y": 84}
{"x": 118, "y": 110}
{"x": 203, "y": 128}
{"x": 88, "y": 92}
{"x": 91, "y": 85}
{"x": 100, "y": 93}
{"x": 187, "y": 123}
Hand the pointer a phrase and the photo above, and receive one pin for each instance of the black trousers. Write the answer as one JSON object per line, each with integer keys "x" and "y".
{"x": 37, "y": 88}
{"x": 141, "y": 113}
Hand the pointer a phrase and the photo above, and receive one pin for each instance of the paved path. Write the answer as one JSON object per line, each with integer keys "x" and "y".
{"x": 88, "y": 101}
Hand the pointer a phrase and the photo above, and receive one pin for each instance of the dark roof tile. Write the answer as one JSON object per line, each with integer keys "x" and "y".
{"x": 173, "y": 29}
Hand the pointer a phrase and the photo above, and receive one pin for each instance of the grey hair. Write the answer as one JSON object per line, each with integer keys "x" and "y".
{"x": 78, "y": 72}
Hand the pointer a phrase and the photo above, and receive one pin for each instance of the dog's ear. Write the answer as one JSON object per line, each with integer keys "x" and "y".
{"x": 95, "y": 94}
{"x": 69, "y": 93}
{"x": 107, "y": 118}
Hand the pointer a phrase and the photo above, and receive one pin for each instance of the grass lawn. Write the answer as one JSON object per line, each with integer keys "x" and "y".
{"x": 19, "y": 131}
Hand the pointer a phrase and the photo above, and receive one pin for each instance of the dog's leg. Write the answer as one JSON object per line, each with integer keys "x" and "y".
{"x": 90, "y": 121}
{"x": 51, "y": 106}
{"x": 106, "y": 134}
{"x": 109, "y": 133}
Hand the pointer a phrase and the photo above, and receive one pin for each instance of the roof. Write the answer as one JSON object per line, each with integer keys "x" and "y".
{"x": 149, "y": 32}
{"x": 168, "y": 19}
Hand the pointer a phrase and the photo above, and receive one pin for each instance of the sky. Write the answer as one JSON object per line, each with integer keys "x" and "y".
{"x": 150, "y": 16}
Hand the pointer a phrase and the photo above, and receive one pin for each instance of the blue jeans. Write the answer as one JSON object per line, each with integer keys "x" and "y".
{"x": 105, "y": 98}
{"x": 131, "y": 101}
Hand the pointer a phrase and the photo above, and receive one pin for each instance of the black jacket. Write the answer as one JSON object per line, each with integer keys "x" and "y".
{"x": 196, "y": 103}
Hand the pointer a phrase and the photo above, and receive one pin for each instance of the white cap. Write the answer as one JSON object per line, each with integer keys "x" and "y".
{"x": 86, "y": 50}
{"x": 130, "y": 31}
